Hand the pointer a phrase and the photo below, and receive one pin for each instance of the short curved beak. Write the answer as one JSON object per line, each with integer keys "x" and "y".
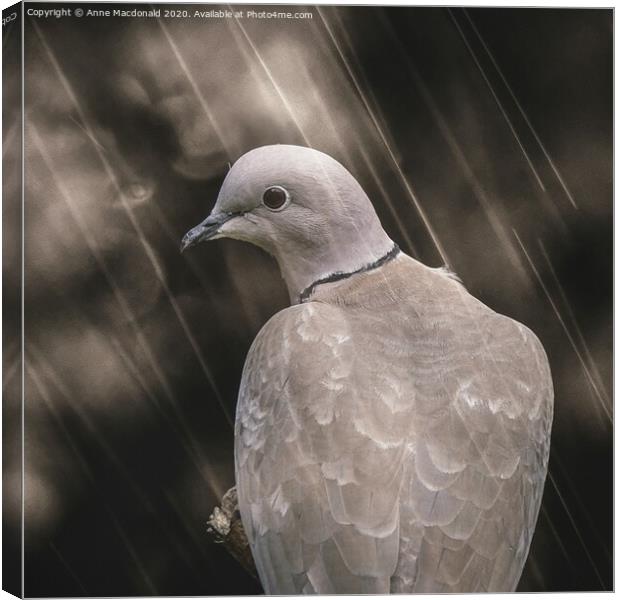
{"x": 206, "y": 230}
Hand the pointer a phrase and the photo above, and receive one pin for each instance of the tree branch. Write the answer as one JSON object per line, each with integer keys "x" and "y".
{"x": 225, "y": 527}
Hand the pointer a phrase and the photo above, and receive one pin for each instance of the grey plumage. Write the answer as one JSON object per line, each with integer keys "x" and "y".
{"x": 392, "y": 432}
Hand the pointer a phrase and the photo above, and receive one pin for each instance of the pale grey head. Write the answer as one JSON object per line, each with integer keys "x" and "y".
{"x": 301, "y": 206}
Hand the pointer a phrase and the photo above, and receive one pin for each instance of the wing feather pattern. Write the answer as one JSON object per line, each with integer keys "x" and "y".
{"x": 400, "y": 451}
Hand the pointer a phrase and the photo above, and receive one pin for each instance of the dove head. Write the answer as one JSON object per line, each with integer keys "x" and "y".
{"x": 301, "y": 206}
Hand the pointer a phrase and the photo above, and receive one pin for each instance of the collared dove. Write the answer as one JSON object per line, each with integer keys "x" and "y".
{"x": 392, "y": 432}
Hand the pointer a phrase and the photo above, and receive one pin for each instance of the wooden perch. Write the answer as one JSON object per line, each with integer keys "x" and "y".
{"x": 226, "y": 528}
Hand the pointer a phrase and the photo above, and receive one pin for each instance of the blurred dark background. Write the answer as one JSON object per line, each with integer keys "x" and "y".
{"x": 492, "y": 125}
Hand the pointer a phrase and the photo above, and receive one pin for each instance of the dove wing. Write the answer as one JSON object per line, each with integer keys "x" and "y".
{"x": 318, "y": 497}
{"x": 470, "y": 502}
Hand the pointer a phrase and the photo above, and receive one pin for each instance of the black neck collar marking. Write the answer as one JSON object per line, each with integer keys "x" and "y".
{"x": 338, "y": 275}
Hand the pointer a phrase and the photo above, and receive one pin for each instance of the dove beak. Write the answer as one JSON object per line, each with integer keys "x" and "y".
{"x": 208, "y": 229}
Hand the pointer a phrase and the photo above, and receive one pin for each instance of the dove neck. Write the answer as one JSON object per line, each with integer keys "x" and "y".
{"x": 303, "y": 274}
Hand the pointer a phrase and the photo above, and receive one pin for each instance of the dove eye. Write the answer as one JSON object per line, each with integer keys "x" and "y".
{"x": 275, "y": 197}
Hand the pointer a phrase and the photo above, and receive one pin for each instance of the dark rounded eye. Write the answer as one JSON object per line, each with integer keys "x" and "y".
{"x": 275, "y": 197}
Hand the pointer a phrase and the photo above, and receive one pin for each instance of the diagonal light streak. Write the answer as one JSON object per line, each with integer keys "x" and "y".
{"x": 247, "y": 307}
{"x": 52, "y": 375}
{"x": 557, "y": 537}
{"x": 100, "y": 440}
{"x": 68, "y": 568}
{"x": 361, "y": 149}
{"x": 44, "y": 394}
{"x": 274, "y": 83}
{"x": 494, "y": 220}
{"x": 566, "y": 330}
{"x": 190, "y": 529}
{"x": 395, "y": 216}
{"x": 36, "y": 359}
{"x": 101, "y": 264}
{"x": 576, "y": 529}
{"x": 195, "y": 88}
{"x": 9, "y": 133}
{"x": 47, "y": 400}
{"x": 523, "y": 114}
{"x": 186, "y": 439}
{"x": 191, "y": 447}
{"x": 132, "y": 552}
{"x": 9, "y": 372}
{"x": 538, "y": 576}
{"x": 357, "y": 67}
{"x": 498, "y": 101}
{"x": 573, "y": 320}
{"x": 318, "y": 99}
{"x": 386, "y": 144}
{"x": 124, "y": 305}
{"x": 139, "y": 231}
{"x": 584, "y": 511}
